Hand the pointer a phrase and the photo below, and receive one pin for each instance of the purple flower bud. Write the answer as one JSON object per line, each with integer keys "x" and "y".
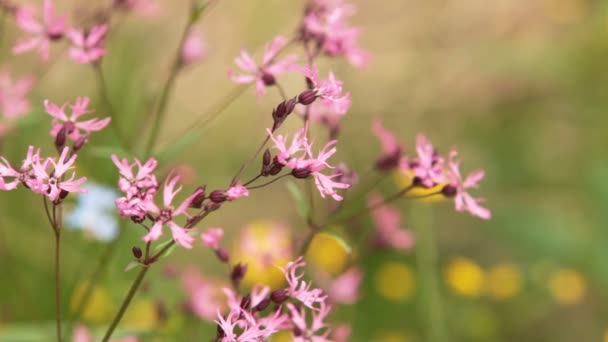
{"x": 275, "y": 169}
{"x": 301, "y": 173}
{"x": 266, "y": 158}
{"x": 245, "y": 302}
{"x": 238, "y": 273}
{"x": 307, "y": 97}
{"x": 268, "y": 79}
{"x": 218, "y": 196}
{"x": 197, "y": 201}
{"x": 61, "y": 138}
{"x": 449, "y": 191}
{"x": 222, "y": 254}
{"x": 262, "y": 305}
{"x": 78, "y": 144}
{"x": 137, "y": 253}
{"x": 279, "y": 296}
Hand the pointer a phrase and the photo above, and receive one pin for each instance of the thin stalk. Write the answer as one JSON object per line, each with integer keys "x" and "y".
{"x": 250, "y": 160}
{"x": 161, "y": 109}
{"x": 58, "y": 283}
{"x": 269, "y": 182}
{"x": 426, "y": 259}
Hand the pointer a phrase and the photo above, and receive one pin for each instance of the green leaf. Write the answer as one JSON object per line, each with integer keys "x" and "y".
{"x": 174, "y": 149}
{"x": 301, "y": 202}
{"x": 106, "y": 151}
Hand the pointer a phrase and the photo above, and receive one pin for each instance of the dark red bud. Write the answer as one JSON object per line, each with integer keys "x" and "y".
{"x": 197, "y": 201}
{"x": 268, "y": 79}
{"x": 262, "y": 305}
{"x": 218, "y": 196}
{"x": 266, "y": 158}
{"x": 63, "y": 194}
{"x": 275, "y": 169}
{"x": 137, "y": 253}
{"x": 222, "y": 254}
{"x": 449, "y": 190}
{"x": 245, "y": 302}
{"x": 238, "y": 273}
{"x": 79, "y": 143}
{"x": 61, "y": 138}
{"x": 279, "y": 296}
{"x": 301, "y": 173}
{"x": 307, "y": 97}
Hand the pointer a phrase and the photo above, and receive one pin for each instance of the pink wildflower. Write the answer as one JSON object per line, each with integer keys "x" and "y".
{"x": 428, "y": 168}
{"x": 388, "y": 226}
{"x": 344, "y": 289}
{"x": 236, "y": 192}
{"x": 462, "y": 200}
{"x": 341, "y": 333}
{"x": 141, "y": 183}
{"x": 300, "y": 289}
{"x": 286, "y": 155}
{"x": 324, "y": 183}
{"x": 330, "y": 90}
{"x": 205, "y": 297}
{"x": 87, "y": 46}
{"x": 326, "y": 114}
{"x": 51, "y": 28}
{"x": 317, "y": 331}
{"x": 212, "y": 237}
{"x": 72, "y": 128}
{"x": 167, "y": 214}
{"x": 391, "y": 149}
{"x": 194, "y": 48}
{"x": 53, "y": 184}
{"x": 263, "y": 75}
{"x": 24, "y": 175}
{"x": 13, "y": 101}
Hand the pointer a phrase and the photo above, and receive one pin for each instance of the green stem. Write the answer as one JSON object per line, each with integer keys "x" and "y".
{"x": 58, "y": 283}
{"x": 125, "y": 303}
{"x": 428, "y": 268}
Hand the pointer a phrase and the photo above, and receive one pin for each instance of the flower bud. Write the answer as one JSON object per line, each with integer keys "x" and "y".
{"x": 222, "y": 254}
{"x": 268, "y": 79}
{"x": 449, "y": 191}
{"x": 238, "y": 273}
{"x": 279, "y": 296}
{"x": 218, "y": 196}
{"x": 262, "y": 305}
{"x": 137, "y": 253}
{"x": 197, "y": 201}
{"x": 245, "y": 302}
{"x": 307, "y": 97}
{"x": 301, "y": 173}
{"x": 266, "y": 158}
{"x": 78, "y": 144}
{"x": 60, "y": 138}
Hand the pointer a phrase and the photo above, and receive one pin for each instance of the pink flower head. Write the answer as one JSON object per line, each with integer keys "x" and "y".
{"x": 42, "y": 33}
{"x": 212, "y": 237}
{"x": 236, "y": 192}
{"x": 87, "y": 47}
{"x": 263, "y": 75}
{"x": 317, "y": 330}
{"x": 325, "y": 113}
{"x": 194, "y": 48}
{"x": 72, "y": 128}
{"x": 330, "y": 90}
{"x": 24, "y": 175}
{"x": 300, "y": 289}
{"x": 341, "y": 333}
{"x": 205, "y": 295}
{"x": 344, "y": 289}
{"x": 13, "y": 100}
{"x": 462, "y": 200}
{"x": 53, "y": 183}
{"x": 388, "y": 226}
{"x": 325, "y": 22}
{"x": 428, "y": 168}
{"x": 391, "y": 149}
{"x": 141, "y": 183}
{"x": 325, "y": 184}
{"x": 287, "y": 155}
{"x": 167, "y": 214}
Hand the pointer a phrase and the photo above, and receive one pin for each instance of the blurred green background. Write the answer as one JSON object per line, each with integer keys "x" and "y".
{"x": 518, "y": 87}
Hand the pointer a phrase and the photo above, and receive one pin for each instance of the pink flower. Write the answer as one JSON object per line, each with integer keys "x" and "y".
{"x": 286, "y": 155}
{"x": 300, "y": 289}
{"x": 167, "y": 214}
{"x": 317, "y": 331}
{"x": 326, "y": 114}
{"x": 141, "y": 183}
{"x": 344, "y": 289}
{"x": 24, "y": 175}
{"x": 388, "y": 226}
{"x": 51, "y": 28}
{"x": 13, "y": 100}
{"x": 391, "y": 149}
{"x": 147, "y": 8}
{"x": 74, "y": 129}
{"x": 87, "y": 46}
{"x": 429, "y": 166}
{"x": 82, "y": 334}
{"x": 194, "y": 48}
{"x": 325, "y": 22}
{"x": 341, "y": 333}
{"x": 324, "y": 183}
{"x": 53, "y": 184}
{"x": 263, "y": 75}
{"x": 462, "y": 200}
{"x": 212, "y": 237}
{"x": 236, "y": 192}
{"x": 205, "y": 297}
{"x": 330, "y": 90}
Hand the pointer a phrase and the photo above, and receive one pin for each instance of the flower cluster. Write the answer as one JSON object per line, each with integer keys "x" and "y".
{"x": 13, "y": 100}
{"x": 248, "y": 319}
{"x": 431, "y": 169}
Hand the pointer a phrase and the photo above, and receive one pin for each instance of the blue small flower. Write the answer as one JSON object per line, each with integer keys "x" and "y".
{"x": 94, "y": 212}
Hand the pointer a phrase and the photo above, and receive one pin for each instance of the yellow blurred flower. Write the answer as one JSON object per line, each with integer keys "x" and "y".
{"x": 141, "y": 315}
{"x": 503, "y": 281}
{"x": 328, "y": 252}
{"x": 263, "y": 246}
{"x": 99, "y": 308}
{"x": 391, "y": 336}
{"x": 465, "y": 277}
{"x": 404, "y": 178}
{"x": 395, "y": 281}
{"x": 567, "y": 286}
{"x": 281, "y": 336}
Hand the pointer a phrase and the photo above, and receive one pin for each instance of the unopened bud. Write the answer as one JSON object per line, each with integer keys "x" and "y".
{"x": 279, "y": 296}
{"x": 212, "y": 206}
{"x": 245, "y": 302}
{"x": 262, "y": 305}
{"x": 301, "y": 173}
{"x": 449, "y": 190}
{"x": 282, "y": 111}
{"x": 63, "y": 194}
{"x": 79, "y": 143}
{"x": 266, "y": 158}
{"x": 275, "y": 169}
{"x": 218, "y": 196}
{"x": 307, "y": 97}
{"x": 197, "y": 201}
{"x": 268, "y": 79}
{"x": 238, "y": 273}
{"x": 60, "y": 138}
{"x": 136, "y": 252}
{"x": 222, "y": 254}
